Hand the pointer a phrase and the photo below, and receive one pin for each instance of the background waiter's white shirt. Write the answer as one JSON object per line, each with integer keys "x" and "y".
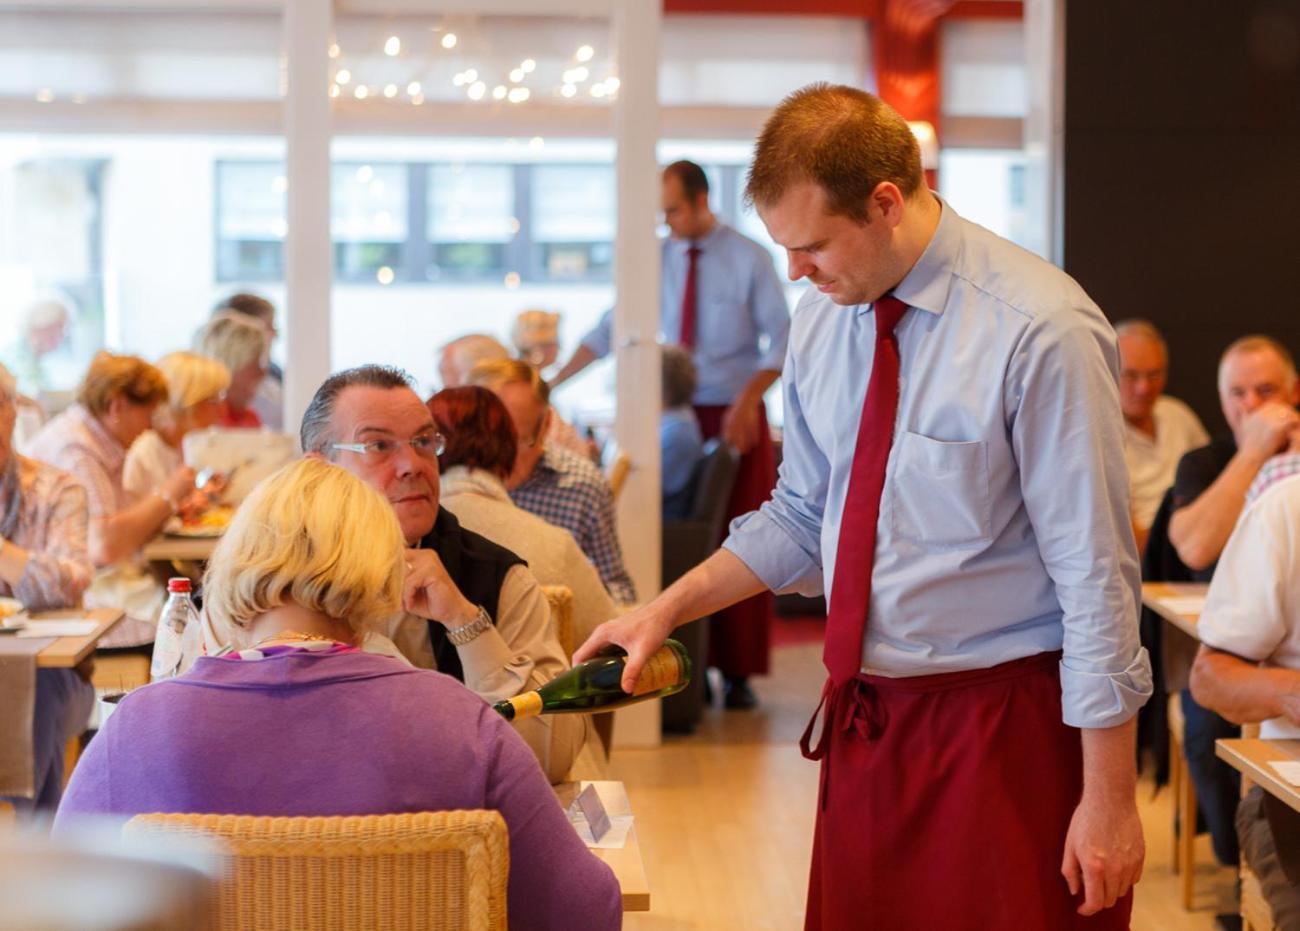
{"x": 1153, "y": 460}
{"x": 1004, "y": 523}
{"x": 1253, "y": 607}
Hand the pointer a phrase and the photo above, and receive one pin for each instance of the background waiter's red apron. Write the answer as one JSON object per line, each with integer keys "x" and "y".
{"x": 740, "y": 637}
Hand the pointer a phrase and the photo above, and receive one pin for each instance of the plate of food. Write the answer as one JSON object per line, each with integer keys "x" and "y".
{"x": 210, "y": 523}
{"x": 13, "y": 616}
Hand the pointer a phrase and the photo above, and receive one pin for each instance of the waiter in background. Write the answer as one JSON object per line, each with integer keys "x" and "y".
{"x": 953, "y": 476}
{"x": 720, "y": 298}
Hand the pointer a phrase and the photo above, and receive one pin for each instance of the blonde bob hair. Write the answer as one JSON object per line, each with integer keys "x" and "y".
{"x": 312, "y": 534}
{"x": 235, "y": 340}
{"x": 111, "y": 376}
{"x": 497, "y": 373}
{"x": 192, "y": 379}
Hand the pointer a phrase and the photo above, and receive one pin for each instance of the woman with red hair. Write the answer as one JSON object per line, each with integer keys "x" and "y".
{"x": 480, "y": 452}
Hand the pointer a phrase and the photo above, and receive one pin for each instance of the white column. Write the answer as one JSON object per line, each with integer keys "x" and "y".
{"x": 307, "y": 251}
{"x": 635, "y": 27}
{"x": 1045, "y": 127}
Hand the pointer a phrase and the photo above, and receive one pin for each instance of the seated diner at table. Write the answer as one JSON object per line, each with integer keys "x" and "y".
{"x": 472, "y": 608}
{"x": 43, "y": 565}
{"x": 195, "y": 385}
{"x": 1248, "y": 670}
{"x": 312, "y": 560}
{"x": 243, "y": 345}
{"x": 114, "y": 405}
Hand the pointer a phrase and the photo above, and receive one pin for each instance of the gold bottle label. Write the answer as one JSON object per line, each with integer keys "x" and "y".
{"x": 661, "y": 671}
{"x": 527, "y": 705}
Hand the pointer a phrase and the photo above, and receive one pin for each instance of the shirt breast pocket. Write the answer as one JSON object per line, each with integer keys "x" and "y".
{"x": 725, "y": 318}
{"x": 939, "y": 492}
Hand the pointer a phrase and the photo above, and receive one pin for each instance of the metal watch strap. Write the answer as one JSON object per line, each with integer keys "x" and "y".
{"x": 462, "y": 635}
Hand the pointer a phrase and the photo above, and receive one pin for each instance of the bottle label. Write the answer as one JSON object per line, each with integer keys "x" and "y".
{"x": 527, "y": 705}
{"x": 661, "y": 671}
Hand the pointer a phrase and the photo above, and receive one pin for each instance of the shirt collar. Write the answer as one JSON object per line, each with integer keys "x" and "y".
{"x": 706, "y": 242}
{"x": 459, "y": 480}
{"x": 926, "y": 286}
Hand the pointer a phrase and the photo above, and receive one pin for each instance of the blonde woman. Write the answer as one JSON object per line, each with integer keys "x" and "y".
{"x": 115, "y": 404}
{"x": 243, "y": 345}
{"x": 195, "y": 385}
{"x": 298, "y": 721}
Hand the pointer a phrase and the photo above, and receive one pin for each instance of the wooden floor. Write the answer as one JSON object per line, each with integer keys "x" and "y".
{"x": 725, "y": 820}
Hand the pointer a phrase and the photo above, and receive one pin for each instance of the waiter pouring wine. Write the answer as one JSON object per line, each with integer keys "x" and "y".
{"x": 953, "y": 478}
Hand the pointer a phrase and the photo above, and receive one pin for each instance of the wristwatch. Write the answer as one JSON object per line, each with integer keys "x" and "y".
{"x": 468, "y": 632}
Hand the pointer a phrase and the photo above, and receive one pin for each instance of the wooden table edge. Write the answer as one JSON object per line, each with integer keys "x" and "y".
{"x": 1152, "y": 600}
{"x": 1237, "y": 754}
{"x": 637, "y": 897}
{"x": 108, "y": 618}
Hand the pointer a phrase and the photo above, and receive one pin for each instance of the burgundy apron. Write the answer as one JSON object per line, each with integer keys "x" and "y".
{"x": 945, "y": 802}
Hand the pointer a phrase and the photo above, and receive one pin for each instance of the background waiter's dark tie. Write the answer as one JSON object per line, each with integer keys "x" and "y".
{"x": 687, "y": 339}
{"x": 851, "y": 586}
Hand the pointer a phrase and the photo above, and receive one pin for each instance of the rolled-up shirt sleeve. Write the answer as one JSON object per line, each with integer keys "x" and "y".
{"x": 781, "y": 541}
{"x": 600, "y": 337}
{"x": 770, "y": 311}
{"x": 1067, "y": 435}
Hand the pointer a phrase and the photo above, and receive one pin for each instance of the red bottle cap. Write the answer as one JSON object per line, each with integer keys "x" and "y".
{"x": 179, "y": 584}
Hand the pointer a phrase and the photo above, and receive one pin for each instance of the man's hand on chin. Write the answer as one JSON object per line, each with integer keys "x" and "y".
{"x": 430, "y": 593}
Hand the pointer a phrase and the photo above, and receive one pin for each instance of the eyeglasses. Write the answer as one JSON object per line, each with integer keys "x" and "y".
{"x": 427, "y": 445}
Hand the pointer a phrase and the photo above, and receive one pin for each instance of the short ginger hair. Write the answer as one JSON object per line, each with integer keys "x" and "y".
{"x": 840, "y": 138}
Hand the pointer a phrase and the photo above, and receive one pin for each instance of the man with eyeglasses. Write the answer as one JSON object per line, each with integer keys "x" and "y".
{"x": 473, "y": 610}
{"x": 1158, "y": 429}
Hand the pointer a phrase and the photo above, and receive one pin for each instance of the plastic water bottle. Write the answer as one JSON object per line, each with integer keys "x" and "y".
{"x": 177, "y": 626}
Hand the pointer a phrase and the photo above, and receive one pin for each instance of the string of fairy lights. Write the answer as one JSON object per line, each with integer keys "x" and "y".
{"x": 520, "y": 82}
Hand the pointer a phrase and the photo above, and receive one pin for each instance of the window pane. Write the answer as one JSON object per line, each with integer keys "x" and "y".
{"x": 51, "y": 278}
{"x": 471, "y": 219}
{"x": 984, "y": 68}
{"x": 986, "y": 186}
{"x": 250, "y": 221}
{"x": 573, "y": 220}
{"x": 368, "y": 221}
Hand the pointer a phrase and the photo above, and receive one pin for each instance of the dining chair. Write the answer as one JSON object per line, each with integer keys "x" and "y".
{"x": 422, "y": 871}
{"x": 560, "y": 599}
{"x": 617, "y": 472}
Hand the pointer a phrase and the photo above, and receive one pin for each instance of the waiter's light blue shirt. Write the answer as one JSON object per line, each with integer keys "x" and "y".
{"x": 742, "y": 322}
{"x": 1004, "y": 522}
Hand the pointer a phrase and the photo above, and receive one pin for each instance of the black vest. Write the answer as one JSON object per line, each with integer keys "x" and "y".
{"x": 477, "y": 566}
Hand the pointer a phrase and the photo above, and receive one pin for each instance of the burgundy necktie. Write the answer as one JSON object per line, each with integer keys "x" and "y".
{"x": 688, "y": 301}
{"x": 851, "y": 586}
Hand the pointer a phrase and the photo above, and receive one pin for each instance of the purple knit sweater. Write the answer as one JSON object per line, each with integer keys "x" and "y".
{"x": 344, "y": 734}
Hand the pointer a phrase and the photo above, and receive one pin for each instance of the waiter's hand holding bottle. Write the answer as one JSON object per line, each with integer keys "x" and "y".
{"x": 719, "y": 581}
{"x": 641, "y": 632}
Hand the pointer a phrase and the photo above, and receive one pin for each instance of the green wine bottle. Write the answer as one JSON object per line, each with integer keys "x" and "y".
{"x": 596, "y": 685}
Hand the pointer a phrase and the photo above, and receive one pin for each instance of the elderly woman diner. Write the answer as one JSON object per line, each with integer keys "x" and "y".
{"x": 480, "y": 453}
{"x": 115, "y": 404}
{"x": 195, "y": 385}
{"x": 243, "y": 345}
{"x": 43, "y": 564}
{"x": 313, "y": 560}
